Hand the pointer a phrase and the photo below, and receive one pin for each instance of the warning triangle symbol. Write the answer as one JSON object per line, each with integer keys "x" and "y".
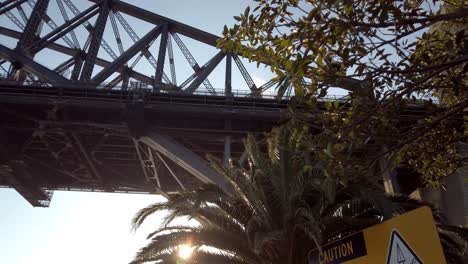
{"x": 400, "y": 252}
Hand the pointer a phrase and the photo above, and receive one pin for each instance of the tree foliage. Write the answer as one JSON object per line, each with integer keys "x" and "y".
{"x": 404, "y": 64}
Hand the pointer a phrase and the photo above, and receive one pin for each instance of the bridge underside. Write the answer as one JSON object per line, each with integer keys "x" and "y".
{"x": 120, "y": 141}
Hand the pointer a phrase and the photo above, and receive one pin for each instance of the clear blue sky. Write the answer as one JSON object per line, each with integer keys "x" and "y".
{"x": 94, "y": 228}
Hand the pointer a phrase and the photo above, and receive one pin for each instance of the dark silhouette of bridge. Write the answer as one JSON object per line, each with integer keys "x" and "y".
{"x": 93, "y": 122}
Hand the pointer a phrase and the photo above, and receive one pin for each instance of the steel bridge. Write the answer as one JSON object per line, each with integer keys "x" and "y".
{"x": 79, "y": 113}
{"x": 90, "y": 103}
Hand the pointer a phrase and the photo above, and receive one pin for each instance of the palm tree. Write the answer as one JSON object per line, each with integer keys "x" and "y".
{"x": 281, "y": 207}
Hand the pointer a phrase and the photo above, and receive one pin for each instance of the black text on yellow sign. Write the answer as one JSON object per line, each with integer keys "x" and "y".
{"x": 345, "y": 249}
{"x": 409, "y": 238}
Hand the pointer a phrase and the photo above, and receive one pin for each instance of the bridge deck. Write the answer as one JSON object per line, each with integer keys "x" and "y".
{"x": 82, "y": 139}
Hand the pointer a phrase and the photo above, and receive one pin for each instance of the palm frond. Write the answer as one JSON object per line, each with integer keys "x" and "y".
{"x": 208, "y": 237}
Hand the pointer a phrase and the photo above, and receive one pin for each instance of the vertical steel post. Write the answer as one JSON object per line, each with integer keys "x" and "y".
{"x": 161, "y": 55}
{"x": 30, "y": 32}
{"x": 34, "y": 22}
{"x": 228, "y": 80}
{"x": 125, "y": 79}
{"x": 78, "y": 66}
{"x": 95, "y": 42}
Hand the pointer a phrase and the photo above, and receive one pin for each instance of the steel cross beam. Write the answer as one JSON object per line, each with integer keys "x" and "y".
{"x": 77, "y": 68}
{"x": 127, "y": 55}
{"x": 53, "y": 26}
{"x": 193, "y": 63}
{"x": 72, "y": 52}
{"x": 184, "y": 157}
{"x": 95, "y": 42}
{"x": 115, "y": 29}
{"x": 148, "y": 164}
{"x": 64, "y": 65}
{"x": 5, "y": 8}
{"x": 156, "y": 19}
{"x": 145, "y": 52}
{"x": 206, "y": 70}
{"x": 32, "y": 26}
{"x": 32, "y": 66}
{"x": 22, "y": 14}
{"x": 15, "y": 20}
{"x": 76, "y": 44}
{"x": 84, "y": 155}
{"x": 65, "y": 28}
{"x": 171, "y": 60}
{"x": 90, "y": 29}
{"x": 161, "y": 55}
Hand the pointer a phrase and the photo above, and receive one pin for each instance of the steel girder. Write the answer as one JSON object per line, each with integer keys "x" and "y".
{"x": 9, "y": 5}
{"x": 72, "y": 52}
{"x": 30, "y": 32}
{"x": 162, "y": 54}
{"x": 132, "y": 51}
{"x": 31, "y": 66}
{"x": 34, "y": 22}
{"x": 183, "y": 157}
{"x": 205, "y": 71}
{"x": 66, "y": 28}
{"x": 205, "y": 37}
{"x": 173, "y": 28}
{"x": 95, "y": 41}
{"x": 156, "y": 19}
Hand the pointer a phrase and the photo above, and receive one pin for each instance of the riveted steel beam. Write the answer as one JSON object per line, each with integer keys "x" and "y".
{"x": 95, "y": 41}
{"x": 31, "y": 66}
{"x": 184, "y": 157}
{"x": 30, "y": 31}
{"x": 127, "y": 55}
{"x": 228, "y": 78}
{"x": 161, "y": 55}
{"x": 64, "y": 29}
{"x": 9, "y": 5}
{"x": 71, "y": 52}
{"x": 156, "y": 19}
{"x": 205, "y": 71}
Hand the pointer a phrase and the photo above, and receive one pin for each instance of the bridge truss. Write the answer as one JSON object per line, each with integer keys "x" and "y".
{"x": 101, "y": 58}
{"x": 91, "y": 103}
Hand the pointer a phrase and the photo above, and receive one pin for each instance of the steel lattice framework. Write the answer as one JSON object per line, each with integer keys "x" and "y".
{"x": 88, "y": 118}
{"x": 80, "y": 67}
{"x": 94, "y": 121}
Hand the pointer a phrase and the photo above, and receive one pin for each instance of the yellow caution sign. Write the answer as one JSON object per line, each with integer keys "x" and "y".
{"x": 410, "y": 238}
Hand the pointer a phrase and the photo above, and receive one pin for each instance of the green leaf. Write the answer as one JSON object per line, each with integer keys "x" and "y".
{"x": 282, "y": 87}
{"x": 336, "y": 104}
{"x": 348, "y": 9}
{"x": 299, "y": 90}
{"x": 246, "y": 12}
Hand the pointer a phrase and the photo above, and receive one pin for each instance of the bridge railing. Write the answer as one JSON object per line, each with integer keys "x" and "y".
{"x": 163, "y": 89}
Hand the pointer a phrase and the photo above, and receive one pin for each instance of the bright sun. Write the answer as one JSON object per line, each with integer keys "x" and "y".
{"x": 185, "y": 251}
